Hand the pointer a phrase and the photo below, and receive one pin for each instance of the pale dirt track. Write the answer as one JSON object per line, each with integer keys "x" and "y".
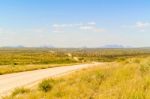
{"x": 9, "y": 82}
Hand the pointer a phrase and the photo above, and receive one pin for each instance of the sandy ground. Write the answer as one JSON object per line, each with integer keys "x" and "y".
{"x": 9, "y": 82}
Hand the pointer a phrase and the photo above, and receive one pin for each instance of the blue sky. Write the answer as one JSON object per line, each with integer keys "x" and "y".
{"x": 74, "y": 23}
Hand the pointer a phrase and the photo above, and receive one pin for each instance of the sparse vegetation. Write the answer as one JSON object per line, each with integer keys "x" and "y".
{"x": 18, "y": 91}
{"x": 25, "y": 59}
{"x": 128, "y": 79}
{"x": 45, "y": 85}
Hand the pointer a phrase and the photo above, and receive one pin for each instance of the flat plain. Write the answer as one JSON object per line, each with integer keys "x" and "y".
{"x": 125, "y": 74}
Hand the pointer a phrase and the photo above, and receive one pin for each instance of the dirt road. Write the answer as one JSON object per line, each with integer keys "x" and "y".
{"x": 9, "y": 82}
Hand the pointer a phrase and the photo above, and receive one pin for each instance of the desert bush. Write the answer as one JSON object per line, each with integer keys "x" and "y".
{"x": 45, "y": 85}
{"x": 145, "y": 67}
{"x": 20, "y": 91}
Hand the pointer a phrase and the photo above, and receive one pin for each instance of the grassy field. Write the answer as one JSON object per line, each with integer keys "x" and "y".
{"x": 127, "y": 79}
{"x": 25, "y": 59}
{"x": 25, "y": 56}
{"x": 20, "y": 68}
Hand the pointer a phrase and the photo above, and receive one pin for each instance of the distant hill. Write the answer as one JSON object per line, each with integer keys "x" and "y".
{"x": 47, "y": 46}
{"x": 19, "y": 46}
{"x": 113, "y": 46}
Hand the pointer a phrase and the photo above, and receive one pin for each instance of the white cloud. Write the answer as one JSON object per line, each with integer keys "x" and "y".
{"x": 142, "y": 24}
{"x": 60, "y": 28}
{"x": 92, "y": 29}
{"x": 91, "y": 23}
{"x": 62, "y": 25}
{"x": 66, "y": 25}
{"x": 86, "y": 27}
{"x": 72, "y": 25}
{"x": 78, "y": 26}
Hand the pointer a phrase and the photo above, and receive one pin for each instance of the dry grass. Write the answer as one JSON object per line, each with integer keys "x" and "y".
{"x": 25, "y": 59}
{"x": 129, "y": 79}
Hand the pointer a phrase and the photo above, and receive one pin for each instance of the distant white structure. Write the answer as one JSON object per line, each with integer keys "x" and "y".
{"x": 69, "y": 55}
{"x": 52, "y": 52}
{"x": 76, "y": 58}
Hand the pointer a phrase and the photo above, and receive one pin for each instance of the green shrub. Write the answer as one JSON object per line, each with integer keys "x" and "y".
{"x": 144, "y": 68}
{"x": 20, "y": 91}
{"x": 137, "y": 61}
{"x": 45, "y": 85}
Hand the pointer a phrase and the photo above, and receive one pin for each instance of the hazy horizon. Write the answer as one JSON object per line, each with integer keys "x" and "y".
{"x": 75, "y": 23}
